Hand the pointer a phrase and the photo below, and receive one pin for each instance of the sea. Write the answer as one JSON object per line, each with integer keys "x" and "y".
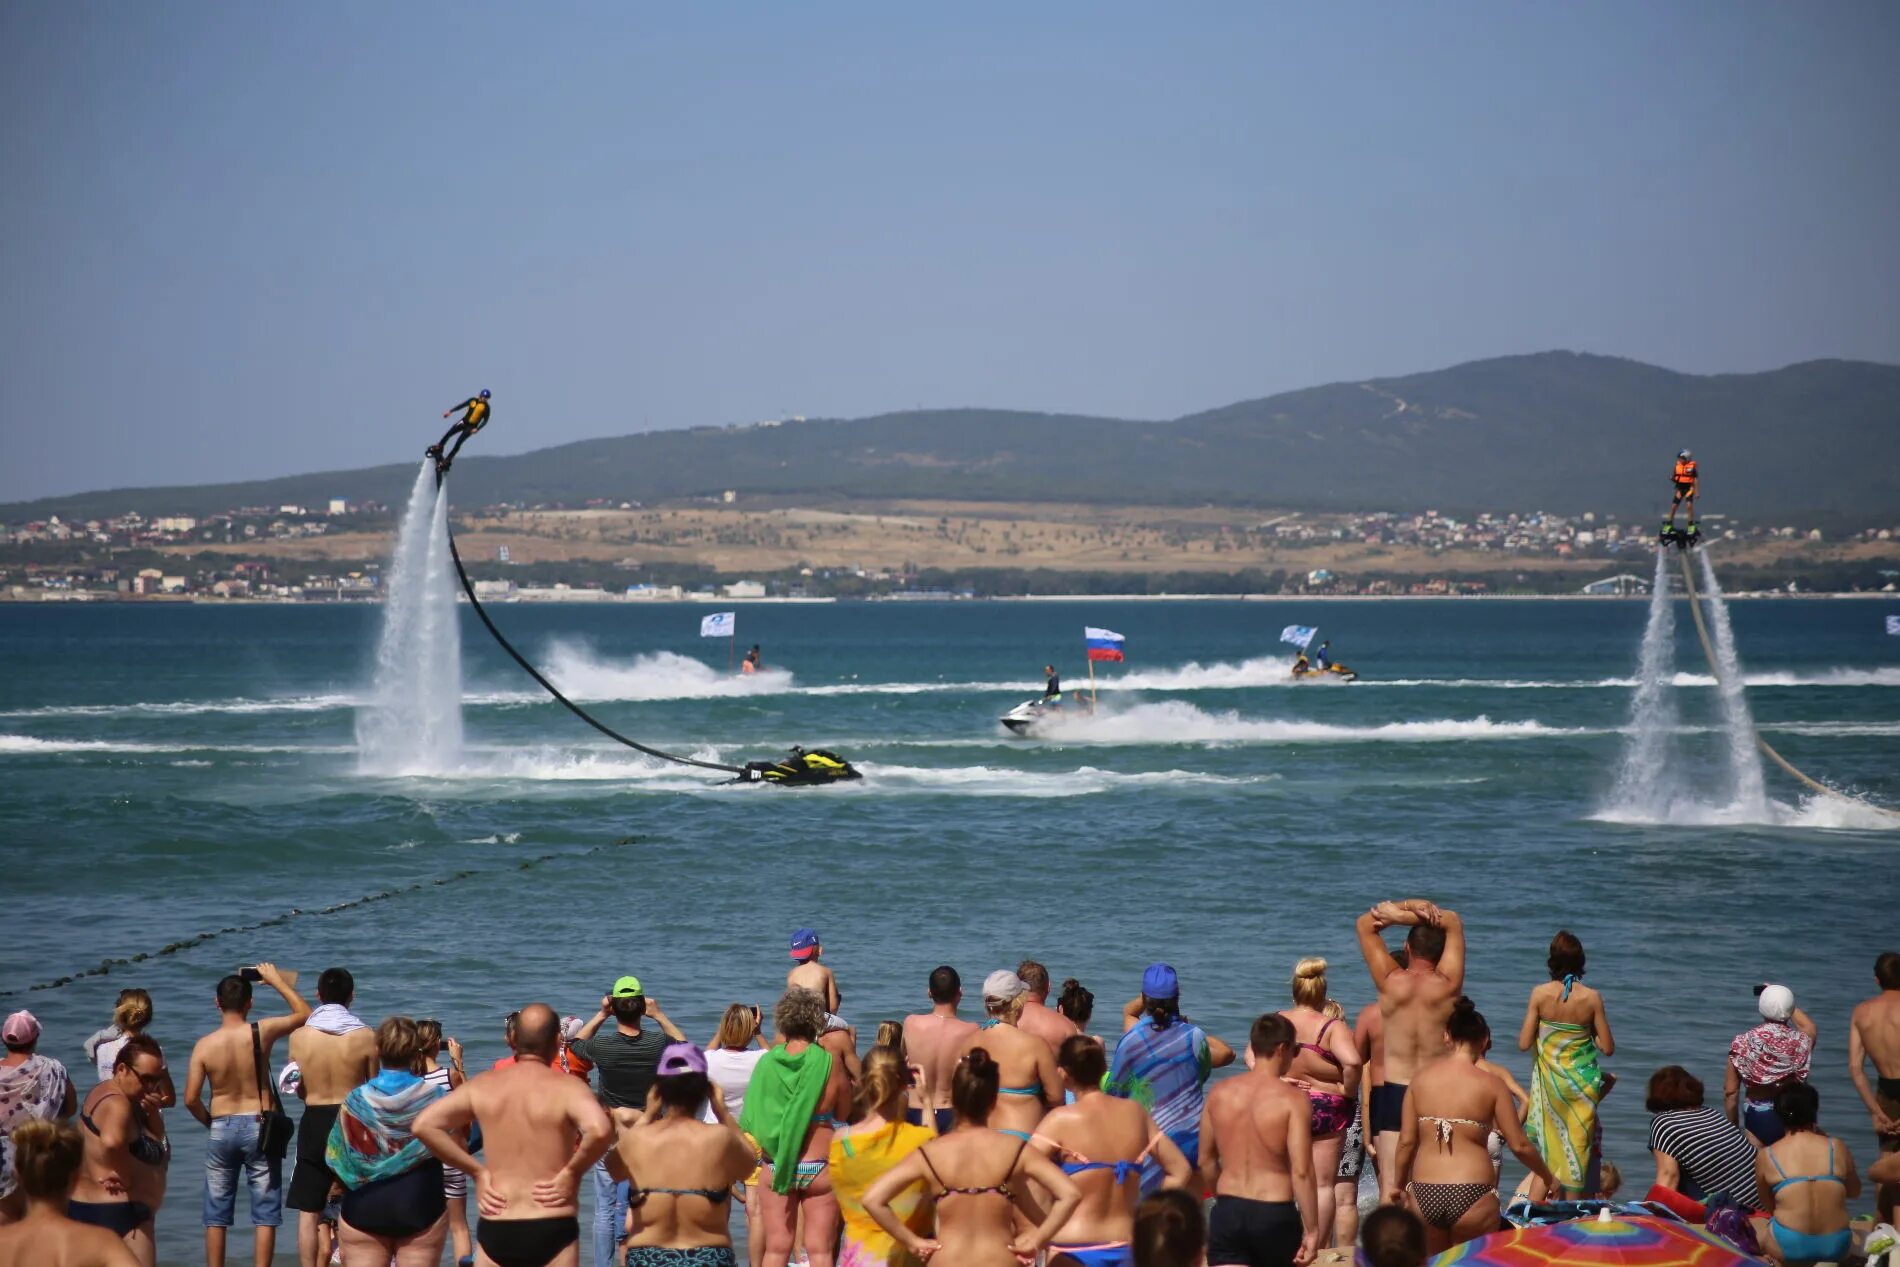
{"x": 182, "y": 792}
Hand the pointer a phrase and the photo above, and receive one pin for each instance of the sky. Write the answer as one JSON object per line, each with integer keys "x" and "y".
{"x": 242, "y": 240}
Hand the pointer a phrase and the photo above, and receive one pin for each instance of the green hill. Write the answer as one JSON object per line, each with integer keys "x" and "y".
{"x": 1556, "y": 431}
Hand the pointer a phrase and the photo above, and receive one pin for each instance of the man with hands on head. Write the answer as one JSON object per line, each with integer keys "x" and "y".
{"x": 627, "y": 1057}
{"x": 542, "y": 1128}
{"x": 1415, "y": 1001}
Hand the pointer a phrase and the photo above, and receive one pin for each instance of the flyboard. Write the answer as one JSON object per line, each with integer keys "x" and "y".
{"x": 801, "y": 767}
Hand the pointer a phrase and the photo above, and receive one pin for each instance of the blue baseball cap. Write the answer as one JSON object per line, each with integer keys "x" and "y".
{"x": 1159, "y": 982}
{"x": 804, "y": 943}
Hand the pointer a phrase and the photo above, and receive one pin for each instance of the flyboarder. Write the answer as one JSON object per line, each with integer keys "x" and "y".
{"x": 1687, "y": 479}
{"x": 474, "y": 417}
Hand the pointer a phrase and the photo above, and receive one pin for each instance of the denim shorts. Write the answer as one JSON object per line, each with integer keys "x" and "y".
{"x": 232, "y": 1152}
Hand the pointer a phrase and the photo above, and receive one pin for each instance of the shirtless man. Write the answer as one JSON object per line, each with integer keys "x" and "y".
{"x": 336, "y": 1053}
{"x": 1414, "y": 1003}
{"x": 1874, "y": 1034}
{"x": 1257, "y": 1157}
{"x": 117, "y": 1147}
{"x": 544, "y": 1130}
{"x": 224, "y": 1059}
{"x": 934, "y": 1039}
{"x": 811, "y": 974}
{"x": 1038, "y": 1017}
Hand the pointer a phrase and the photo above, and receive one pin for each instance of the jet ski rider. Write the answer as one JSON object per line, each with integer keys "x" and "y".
{"x": 1052, "y": 690}
{"x": 1323, "y": 659}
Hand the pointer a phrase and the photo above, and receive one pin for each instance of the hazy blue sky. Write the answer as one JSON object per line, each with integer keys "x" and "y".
{"x": 250, "y": 239}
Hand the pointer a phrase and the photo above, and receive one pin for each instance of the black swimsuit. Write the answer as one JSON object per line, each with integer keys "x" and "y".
{"x": 399, "y": 1206}
{"x": 526, "y": 1242}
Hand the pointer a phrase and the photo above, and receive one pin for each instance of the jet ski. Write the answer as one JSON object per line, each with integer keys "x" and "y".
{"x": 802, "y": 767}
{"x": 1034, "y": 714}
{"x": 1337, "y": 673}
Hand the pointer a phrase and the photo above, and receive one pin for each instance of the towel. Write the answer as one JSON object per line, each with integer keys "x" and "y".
{"x": 779, "y": 1104}
{"x": 334, "y": 1018}
{"x": 1565, "y": 1087}
{"x": 374, "y": 1136}
{"x": 1773, "y": 1054}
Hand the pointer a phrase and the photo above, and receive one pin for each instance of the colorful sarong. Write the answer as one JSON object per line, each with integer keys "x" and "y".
{"x": 858, "y": 1160}
{"x": 1565, "y": 1087}
{"x": 374, "y": 1136}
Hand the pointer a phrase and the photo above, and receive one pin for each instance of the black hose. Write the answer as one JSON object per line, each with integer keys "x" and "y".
{"x": 468, "y": 588}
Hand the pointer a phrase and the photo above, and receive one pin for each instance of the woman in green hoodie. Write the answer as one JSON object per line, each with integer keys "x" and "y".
{"x": 795, "y": 1100}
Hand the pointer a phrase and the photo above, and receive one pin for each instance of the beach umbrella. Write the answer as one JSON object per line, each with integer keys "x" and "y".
{"x": 1626, "y": 1242}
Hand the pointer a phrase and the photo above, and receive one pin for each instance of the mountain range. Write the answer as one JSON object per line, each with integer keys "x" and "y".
{"x": 1558, "y": 431}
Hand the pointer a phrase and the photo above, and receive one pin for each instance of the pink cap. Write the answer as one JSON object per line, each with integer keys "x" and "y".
{"x": 21, "y": 1029}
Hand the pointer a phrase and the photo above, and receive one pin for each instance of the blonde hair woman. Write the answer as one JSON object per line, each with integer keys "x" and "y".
{"x": 1030, "y": 1085}
{"x": 1325, "y": 1066}
{"x": 734, "y": 1052}
{"x": 877, "y": 1140}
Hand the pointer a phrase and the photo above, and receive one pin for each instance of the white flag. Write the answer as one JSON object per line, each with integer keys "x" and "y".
{"x": 1893, "y": 625}
{"x": 718, "y": 625}
{"x": 1299, "y": 635}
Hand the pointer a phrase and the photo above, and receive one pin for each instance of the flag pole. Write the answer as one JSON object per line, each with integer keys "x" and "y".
{"x": 1092, "y": 696}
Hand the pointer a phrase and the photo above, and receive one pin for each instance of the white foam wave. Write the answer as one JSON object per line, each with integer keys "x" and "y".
{"x": 1819, "y": 813}
{"x": 655, "y": 675}
{"x": 1175, "y": 721}
{"x": 187, "y": 708}
{"x": 1002, "y": 781}
{"x": 26, "y": 745}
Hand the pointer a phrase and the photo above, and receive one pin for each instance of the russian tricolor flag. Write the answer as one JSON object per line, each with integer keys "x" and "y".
{"x": 1103, "y": 644}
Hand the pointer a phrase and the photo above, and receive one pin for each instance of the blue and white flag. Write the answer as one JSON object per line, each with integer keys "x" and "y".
{"x": 1299, "y": 635}
{"x": 1893, "y": 625}
{"x": 718, "y": 625}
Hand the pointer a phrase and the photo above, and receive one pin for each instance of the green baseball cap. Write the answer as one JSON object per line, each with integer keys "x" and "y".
{"x": 627, "y": 988}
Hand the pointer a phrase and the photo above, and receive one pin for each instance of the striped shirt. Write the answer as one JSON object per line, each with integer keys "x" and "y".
{"x": 1713, "y": 1153}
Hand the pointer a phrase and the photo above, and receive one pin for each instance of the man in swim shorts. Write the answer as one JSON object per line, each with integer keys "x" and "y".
{"x": 1257, "y": 1153}
{"x": 335, "y": 1053}
{"x": 1874, "y": 1034}
{"x": 1414, "y": 1003}
{"x": 932, "y": 1039}
{"x": 542, "y": 1129}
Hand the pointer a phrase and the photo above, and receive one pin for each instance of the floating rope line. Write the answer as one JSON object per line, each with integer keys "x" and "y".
{"x": 1708, "y": 650}
{"x": 106, "y": 966}
{"x": 468, "y": 588}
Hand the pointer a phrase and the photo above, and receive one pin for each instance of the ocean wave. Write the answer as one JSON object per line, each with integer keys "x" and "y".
{"x": 1820, "y": 813}
{"x": 188, "y": 708}
{"x": 654, "y": 675}
{"x": 1176, "y": 721}
{"x": 29, "y": 745}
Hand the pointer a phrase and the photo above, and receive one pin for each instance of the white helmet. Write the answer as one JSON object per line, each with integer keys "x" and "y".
{"x": 1683, "y": 454}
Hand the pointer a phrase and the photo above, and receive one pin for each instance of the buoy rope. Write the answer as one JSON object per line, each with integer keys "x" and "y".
{"x": 468, "y": 588}
{"x": 1708, "y": 650}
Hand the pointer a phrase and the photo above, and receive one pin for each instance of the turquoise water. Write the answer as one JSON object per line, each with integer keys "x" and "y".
{"x": 166, "y": 772}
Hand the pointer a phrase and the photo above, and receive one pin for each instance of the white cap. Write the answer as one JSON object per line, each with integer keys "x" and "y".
{"x": 1002, "y": 985}
{"x": 1777, "y": 1002}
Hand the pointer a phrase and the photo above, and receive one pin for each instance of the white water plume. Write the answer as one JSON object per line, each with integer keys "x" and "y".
{"x": 1744, "y": 758}
{"x": 1645, "y": 782}
{"x": 412, "y": 720}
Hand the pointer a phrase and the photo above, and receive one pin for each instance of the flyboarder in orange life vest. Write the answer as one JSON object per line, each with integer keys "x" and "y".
{"x": 1686, "y": 479}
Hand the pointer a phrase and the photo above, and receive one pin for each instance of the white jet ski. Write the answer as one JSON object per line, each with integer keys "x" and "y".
{"x": 1027, "y": 715}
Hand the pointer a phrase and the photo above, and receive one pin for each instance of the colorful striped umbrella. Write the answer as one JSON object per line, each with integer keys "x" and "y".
{"x": 1627, "y": 1242}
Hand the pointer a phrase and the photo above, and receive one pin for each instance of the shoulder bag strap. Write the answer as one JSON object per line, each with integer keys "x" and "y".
{"x": 266, "y": 1089}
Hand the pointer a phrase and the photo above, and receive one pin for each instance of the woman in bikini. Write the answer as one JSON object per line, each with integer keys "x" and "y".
{"x": 1443, "y": 1171}
{"x": 1030, "y": 1084}
{"x": 682, "y": 1169}
{"x": 1326, "y": 1067}
{"x": 795, "y": 1101}
{"x": 979, "y": 1178}
{"x": 1805, "y": 1180}
{"x": 118, "y": 1148}
{"x": 1100, "y": 1142}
